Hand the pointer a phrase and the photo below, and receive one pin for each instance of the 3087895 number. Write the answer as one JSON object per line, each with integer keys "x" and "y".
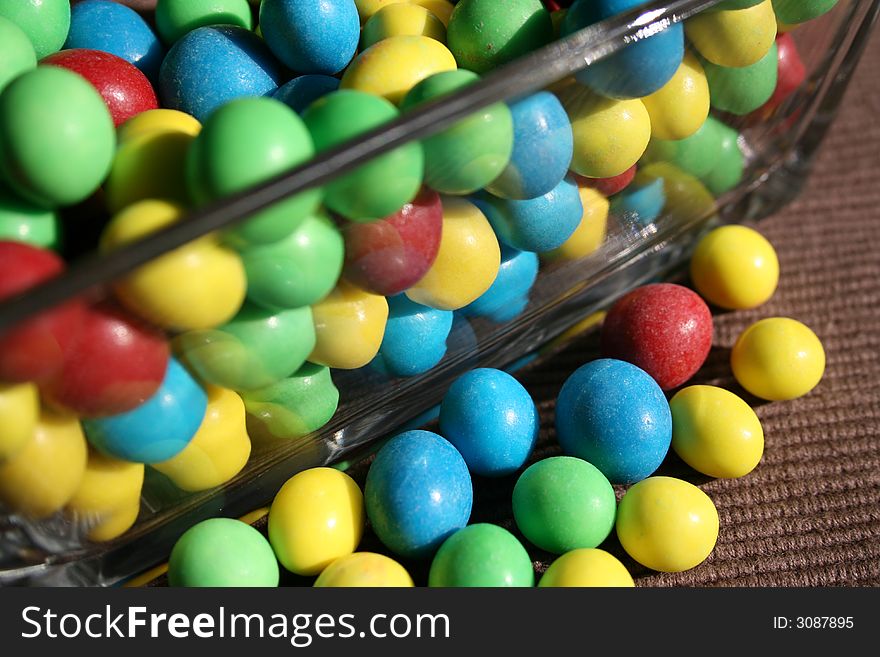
{"x": 823, "y": 622}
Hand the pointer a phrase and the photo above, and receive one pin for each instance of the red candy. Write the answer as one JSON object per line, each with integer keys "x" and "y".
{"x": 609, "y": 186}
{"x": 33, "y": 350}
{"x": 665, "y": 329}
{"x": 117, "y": 363}
{"x": 391, "y": 255}
{"x": 125, "y": 90}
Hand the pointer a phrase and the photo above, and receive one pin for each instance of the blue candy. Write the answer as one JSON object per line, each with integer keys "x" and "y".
{"x": 542, "y": 148}
{"x": 301, "y": 92}
{"x": 415, "y": 338}
{"x": 418, "y": 493}
{"x": 311, "y": 37}
{"x": 160, "y": 428}
{"x": 538, "y": 224}
{"x": 509, "y": 294}
{"x": 212, "y": 65}
{"x": 640, "y": 203}
{"x": 491, "y": 419}
{"x": 615, "y": 416}
{"x": 638, "y": 70}
{"x": 117, "y": 29}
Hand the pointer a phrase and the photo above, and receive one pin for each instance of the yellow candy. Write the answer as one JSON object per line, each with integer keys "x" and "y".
{"x": 19, "y": 411}
{"x": 316, "y": 518}
{"x": 366, "y": 8}
{"x": 467, "y": 261}
{"x": 114, "y": 524}
{"x": 108, "y": 484}
{"x": 349, "y": 327}
{"x": 364, "y": 569}
{"x": 197, "y": 286}
{"x": 218, "y": 451}
{"x": 150, "y": 159}
{"x": 442, "y": 9}
{"x": 46, "y": 472}
{"x": 680, "y": 107}
{"x": 736, "y": 37}
{"x": 400, "y": 20}
{"x": 590, "y": 233}
{"x": 715, "y": 432}
{"x": 735, "y": 267}
{"x": 586, "y": 567}
{"x": 687, "y": 199}
{"x": 395, "y": 65}
{"x": 667, "y": 524}
{"x": 609, "y": 135}
{"x": 778, "y": 359}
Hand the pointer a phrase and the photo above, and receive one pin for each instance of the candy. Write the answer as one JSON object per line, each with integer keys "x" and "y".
{"x": 304, "y": 90}
{"x": 46, "y": 471}
{"x": 799, "y": 11}
{"x": 174, "y": 18}
{"x": 391, "y": 255}
{"x": 222, "y": 552}
{"x": 115, "y": 523}
{"x": 508, "y": 296}
{"x": 467, "y": 262}
{"x": 110, "y": 489}
{"x": 715, "y": 432}
{"x": 586, "y": 567}
{"x": 590, "y": 233}
{"x": 211, "y": 66}
{"x": 125, "y": 90}
{"x": 563, "y": 503}
{"x": 680, "y": 107}
{"x": 452, "y": 163}
{"x": 442, "y": 9}
{"x": 19, "y": 412}
{"x": 349, "y": 325}
{"x": 393, "y": 66}
{"x": 609, "y": 135}
{"x": 735, "y": 267}
{"x": 299, "y": 270}
{"x": 219, "y": 449}
{"x": 311, "y": 37}
{"x": 614, "y": 415}
{"x": 664, "y": 329}
{"x": 484, "y": 34}
{"x": 158, "y": 429}
{"x": 418, "y": 493}
{"x": 399, "y": 20}
{"x": 790, "y": 75}
{"x": 638, "y": 70}
{"x": 667, "y": 524}
{"x": 246, "y": 142}
{"x": 177, "y": 290}
{"x": 414, "y": 340}
{"x": 117, "y": 29}
{"x": 609, "y": 186}
{"x": 45, "y": 22}
{"x": 687, "y": 199}
{"x": 538, "y": 224}
{"x": 257, "y": 348}
{"x": 382, "y": 186}
{"x": 737, "y": 37}
{"x": 364, "y": 569}
{"x": 744, "y": 89}
{"x": 56, "y": 137}
{"x": 728, "y": 170}
{"x": 293, "y": 407}
{"x": 642, "y": 202}
{"x": 481, "y": 555}
{"x": 778, "y": 359}
{"x": 16, "y": 52}
{"x": 316, "y": 518}
{"x": 491, "y": 420}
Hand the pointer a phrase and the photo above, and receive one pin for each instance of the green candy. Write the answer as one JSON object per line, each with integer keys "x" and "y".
{"x": 484, "y": 34}
{"x": 299, "y": 270}
{"x": 293, "y": 407}
{"x": 16, "y": 52}
{"x": 56, "y": 137}
{"x": 728, "y": 170}
{"x": 21, "y": 221}
{"x": 386, "y": 183}
{"x": 481, "y": 555}
{"x": 792, "y": 12}
{"x": 257, "y": 348}
{"x": 222, "y": 552}
{"x": 174, "y": 18}
{"x": 45, "y": 22}
{"x": 473, "y": 152}
{"x": 742, "y": 90}
{"x": 563, "y": 503}
{"x": 696, "y": 155}
{"x": 244, "y": 143}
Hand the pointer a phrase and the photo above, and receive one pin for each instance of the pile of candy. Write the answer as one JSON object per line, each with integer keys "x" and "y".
{"x": 230, "y": 340}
